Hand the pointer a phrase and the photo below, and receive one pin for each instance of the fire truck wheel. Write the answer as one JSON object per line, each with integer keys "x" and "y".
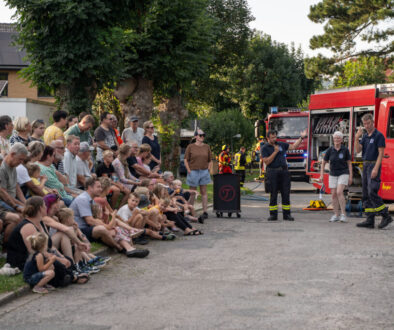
{"x": 230, "y": 214}
{"x": 238, "y": 215}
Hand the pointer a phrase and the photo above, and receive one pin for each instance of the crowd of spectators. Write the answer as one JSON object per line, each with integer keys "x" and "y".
{"x": 62, "y": 188}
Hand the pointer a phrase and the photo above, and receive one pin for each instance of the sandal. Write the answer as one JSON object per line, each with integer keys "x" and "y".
{"x": 40, "y": 289}
{"x": 195, "y": 232}
{"x": 81, "y": 279}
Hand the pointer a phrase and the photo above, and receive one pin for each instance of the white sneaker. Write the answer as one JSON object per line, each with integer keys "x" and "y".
{"x": 342, "y": 218}
{"x": 334, "y": 218}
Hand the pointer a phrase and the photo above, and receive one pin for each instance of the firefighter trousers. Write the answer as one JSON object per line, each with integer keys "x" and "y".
{"x": 241, "y": 174}
{"x": 373, "y": 203}
{"x": 279, "y": 180}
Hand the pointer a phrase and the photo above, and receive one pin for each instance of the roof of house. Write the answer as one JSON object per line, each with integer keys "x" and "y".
{"x": 11, "y": 57}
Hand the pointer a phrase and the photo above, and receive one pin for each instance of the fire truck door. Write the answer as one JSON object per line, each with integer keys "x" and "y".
{"x": 386, "y": 126}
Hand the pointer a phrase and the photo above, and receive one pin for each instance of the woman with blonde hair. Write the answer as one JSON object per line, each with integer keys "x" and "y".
{"x": 23, "y": 128}
{"x": 152, "y": 140}
{"x": 122, "y": 169}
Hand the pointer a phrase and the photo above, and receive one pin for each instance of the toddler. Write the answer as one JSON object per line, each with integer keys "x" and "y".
{"x": 37, "y": 179}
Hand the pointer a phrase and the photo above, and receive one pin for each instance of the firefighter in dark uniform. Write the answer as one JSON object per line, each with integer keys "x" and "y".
{"x": 239, "y": 164}
{"x": 225, "y": 160}
{"x": 274, "y": 156}
{"x": 372, "y": 145}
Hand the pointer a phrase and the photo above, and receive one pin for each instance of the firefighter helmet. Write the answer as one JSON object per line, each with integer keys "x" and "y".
{"x": 225, "y": 147}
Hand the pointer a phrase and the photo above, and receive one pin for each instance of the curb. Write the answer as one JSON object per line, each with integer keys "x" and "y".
{"x": 7, "y": 297}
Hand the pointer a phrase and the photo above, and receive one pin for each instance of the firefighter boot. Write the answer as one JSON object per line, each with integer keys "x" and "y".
{"x": 368, "y": 223}
{"x": 288, "y": 217}
{"x": 386, "y": 219}
{"x": 273, "y": 216}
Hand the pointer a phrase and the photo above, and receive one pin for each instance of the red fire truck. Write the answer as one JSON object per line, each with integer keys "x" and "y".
{"x": 290, "y": 123}
{"x": 341, "y": 110}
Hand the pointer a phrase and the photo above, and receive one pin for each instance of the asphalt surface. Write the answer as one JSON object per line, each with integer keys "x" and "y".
{"x": 242, "y": 273}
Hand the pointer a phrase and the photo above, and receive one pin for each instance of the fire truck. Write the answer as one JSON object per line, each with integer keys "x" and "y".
{"x": 290, "y": 123}
{"x": 341, "y": 110}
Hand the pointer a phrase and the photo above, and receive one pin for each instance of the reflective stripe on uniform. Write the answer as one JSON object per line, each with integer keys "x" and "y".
{"x": 380, "y": 208}
{"x": 274, "y": 208}
{"x": 286, "y": 207}
{"x": 368, "y": 210}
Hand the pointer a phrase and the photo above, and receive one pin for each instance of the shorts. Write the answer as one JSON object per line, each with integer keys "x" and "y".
{"x": 334, "y": 181}
{"x": 35, "y": 278}
{"x": 5, "y": 207}
{"x": 88, "y": 232}
{"x": 198, "y": 178}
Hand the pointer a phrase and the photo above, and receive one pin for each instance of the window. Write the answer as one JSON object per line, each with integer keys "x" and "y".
{"x": 45, "y": 92}
{"x": 390, "y": 124}
{"x": 4, "y": 77}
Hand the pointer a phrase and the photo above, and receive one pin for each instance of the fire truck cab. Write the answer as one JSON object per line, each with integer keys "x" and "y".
{"x": 290, "y": 123}
{"x": 342, "y": 110}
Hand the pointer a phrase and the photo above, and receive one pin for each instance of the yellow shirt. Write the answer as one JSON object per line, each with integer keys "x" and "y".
{"x": 37, "y": 183}
{"x": 52, "y": 133}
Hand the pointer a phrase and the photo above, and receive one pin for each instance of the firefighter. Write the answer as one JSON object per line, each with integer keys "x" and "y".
{"x": 257, "y": 152}
{"x": 372, "y": 145}
{"x": 225, "y": 160}
{"x": 277, "y": 175}
{"x": 240, "y": 162}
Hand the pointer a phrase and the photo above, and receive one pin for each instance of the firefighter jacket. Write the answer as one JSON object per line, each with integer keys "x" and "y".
{"x": 239, "y": 161}
{"x": 224, "y": 162}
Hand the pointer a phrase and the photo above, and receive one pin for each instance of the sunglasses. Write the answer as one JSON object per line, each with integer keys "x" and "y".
{"x": 151, "y": 127}
{"x": 201, "y": 135}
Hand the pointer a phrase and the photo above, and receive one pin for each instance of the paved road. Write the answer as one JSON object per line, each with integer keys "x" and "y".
{"x": 242, "y": 274}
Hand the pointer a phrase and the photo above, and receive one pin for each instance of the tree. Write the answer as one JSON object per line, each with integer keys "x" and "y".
{"x": 346, "y": 23}
{"x": 222, "y": 127}
{"x": 362, "y": 71}
{"x": 73, "y": 47}
{"x": 269, "y": 74}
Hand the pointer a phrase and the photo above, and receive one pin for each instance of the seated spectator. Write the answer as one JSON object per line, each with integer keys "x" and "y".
{"x": 84, "y": 164}
{"x": 188, "y": 194}
{"x": 178, "y": 195}
{"x": 114, "y": 124}
{"x": 58, "y": 162}
{"x": 8, "y": 221}
{"x": 122, "y": 169}
{"x": 105, "y": 136}
{"x": 19, "y": 246}
{"x": 55, "y": 131}
{"x": 152, "y": 140}
{"x": 49, "y": 171}
{"x": 70, "y": 161}
{"x": 25, "y": 181}
{"x": 38, "y": 180}
{"x": 82, "y": 129}
{"x": 133, "y": 133}
{"x": 23, "y": 128}
{"x": 37, "y": 130}
{"x": 136, "y": 169}
{"x": 6, "y": 128}
{"x": 144, "y": 158}
{"x": 71, "y": 121}
{"x": 11, "y": 194}
{"x": 95, "y": 229}
{"x": 105, "y": 169}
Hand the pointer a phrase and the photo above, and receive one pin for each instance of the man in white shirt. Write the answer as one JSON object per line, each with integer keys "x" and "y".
{"x": 84, "y": 164}
{"x": 133, "y": 132}
{"x": 70, "y": 161}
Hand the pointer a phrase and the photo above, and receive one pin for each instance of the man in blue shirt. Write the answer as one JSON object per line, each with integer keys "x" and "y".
{"x": 277, "y": 175}
{"x": 372, "y": 145}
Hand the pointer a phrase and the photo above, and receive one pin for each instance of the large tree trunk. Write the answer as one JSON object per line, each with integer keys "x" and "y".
{"x": 171, "y": 112}
{"x": 136, "y": 98}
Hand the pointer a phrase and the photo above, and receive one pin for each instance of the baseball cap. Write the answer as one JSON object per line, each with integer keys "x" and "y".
{"x": 134, "y": 118}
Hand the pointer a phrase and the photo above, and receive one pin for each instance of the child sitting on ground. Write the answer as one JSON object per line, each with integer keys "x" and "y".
{"x": 39, "y": 270}
{"x": 137, "y": 218}
{"x": 38, "y": 179}
{"x": 181, "y": 201}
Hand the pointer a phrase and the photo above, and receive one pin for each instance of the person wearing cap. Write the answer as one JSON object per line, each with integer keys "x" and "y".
{"x": 84, "y": 164}
{"x": 133, "y": 133}
{"x": 81, "y": 129}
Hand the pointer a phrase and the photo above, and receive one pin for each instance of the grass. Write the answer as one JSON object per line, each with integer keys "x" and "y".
{"x": 209, "y": 191}
{"x": 10, "y": 283}
{"x": 251, "y": 175}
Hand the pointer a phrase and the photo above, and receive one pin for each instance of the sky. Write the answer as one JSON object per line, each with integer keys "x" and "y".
{"x": 285, "y": 21}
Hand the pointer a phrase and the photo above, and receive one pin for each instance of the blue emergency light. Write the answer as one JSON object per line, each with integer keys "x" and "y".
{"x": 274, "y": 109}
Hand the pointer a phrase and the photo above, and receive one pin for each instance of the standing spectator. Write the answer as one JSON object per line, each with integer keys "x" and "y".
{"x": 84, "y": 164}
{"x": 105, "y": 136}
{"x": 372, "y": 145}
{"x": 115, "y": 127}
{"x": 6, "y": 127}
{"x": 37, "y": 130}
{"x": 93, "y": 228}
{"x": 55, "y": 131}
{"x": 133, "y": 133}
{"x": 198, "y": 162}
{"x": 23, "y": 129}
{"x": 70, "y": 161}
{"x": 153, "y": 141}
{"x": 341, "y": 174}
{"x": 71, "y": 121}
{"x": 11, "y": 194}
{"x": 47, "y": 169}
{"x": 81, "y": 129}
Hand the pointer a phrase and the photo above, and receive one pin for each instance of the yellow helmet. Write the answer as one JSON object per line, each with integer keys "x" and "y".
{"x": 225, "y": 146}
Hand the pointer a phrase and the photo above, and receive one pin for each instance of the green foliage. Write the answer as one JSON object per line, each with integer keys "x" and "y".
{"x": 105, "y": 101}
{"x": 362, "y": 71}
{"x": 269, "y": 74}
{"x": 221, "y": 127}
{"x": 73, "y": 47}
{"x": 346, "y": 23}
